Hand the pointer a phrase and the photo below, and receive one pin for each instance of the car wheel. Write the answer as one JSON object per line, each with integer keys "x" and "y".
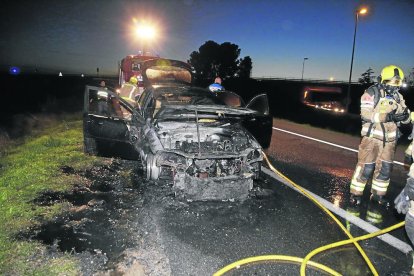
{"x": 153, "y": 171}
{"x": 89, "y": 145}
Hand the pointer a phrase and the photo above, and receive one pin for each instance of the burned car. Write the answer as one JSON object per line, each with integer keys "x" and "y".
{"x": 199, "y": 140}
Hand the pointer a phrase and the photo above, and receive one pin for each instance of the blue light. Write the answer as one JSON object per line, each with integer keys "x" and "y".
{"x": 14, "y": 70}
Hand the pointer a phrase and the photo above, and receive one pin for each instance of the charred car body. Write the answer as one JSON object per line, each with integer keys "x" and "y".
{"x": 199, "y": 139}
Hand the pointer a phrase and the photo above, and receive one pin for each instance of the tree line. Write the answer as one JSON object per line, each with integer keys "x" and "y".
{"x": 213, "y": 59}
{"x": 223, "y": 60}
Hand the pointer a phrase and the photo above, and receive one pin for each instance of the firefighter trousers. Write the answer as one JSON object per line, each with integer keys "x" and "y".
{"x": 375, "y": 158}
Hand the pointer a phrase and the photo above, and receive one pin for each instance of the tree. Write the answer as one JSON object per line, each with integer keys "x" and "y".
{"x": 367, "y": 77}
{"x": 410, "y": 78}
{"x": 213, "y": 59}
{"x": 245, "y": 68}
{"x": 205, "y": 62}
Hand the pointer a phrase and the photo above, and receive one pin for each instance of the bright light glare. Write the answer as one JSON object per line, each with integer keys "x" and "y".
{"x": 331, "y": 78}
{"x": 146, "y": 32}
{"x": 404, "y": 85}
{"x": 363, "y": 11}
{"x": 14, "y": 70}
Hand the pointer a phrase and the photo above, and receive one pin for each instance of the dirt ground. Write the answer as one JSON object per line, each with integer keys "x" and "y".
{"x": 111, "y": 226}
{"x": 105, "y": 226}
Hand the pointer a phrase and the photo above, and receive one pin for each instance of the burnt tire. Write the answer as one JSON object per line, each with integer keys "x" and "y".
{"x": 152, "y": 170}
{"x": 89, "y": 146}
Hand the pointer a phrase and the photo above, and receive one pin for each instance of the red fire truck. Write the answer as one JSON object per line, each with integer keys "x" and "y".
{"x": 131, "y": 66}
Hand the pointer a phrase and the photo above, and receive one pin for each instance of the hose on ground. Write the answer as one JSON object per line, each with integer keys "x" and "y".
{"x": 306, "y": 261}
{"x": 304, "y": 192}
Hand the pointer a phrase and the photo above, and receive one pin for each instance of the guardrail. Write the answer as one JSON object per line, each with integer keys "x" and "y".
{"x": 305, "y": 80}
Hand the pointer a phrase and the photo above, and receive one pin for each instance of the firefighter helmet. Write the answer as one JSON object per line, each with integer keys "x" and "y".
{"x": 392, "y": 75}
{"x": 133, "y": 80}
{"x": 216, "y": 87}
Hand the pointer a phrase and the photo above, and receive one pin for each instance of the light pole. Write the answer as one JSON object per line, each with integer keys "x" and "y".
{"x": 348, "y": 96}
{"x": 303, "y": 66}
{"x": 146, "y": 33}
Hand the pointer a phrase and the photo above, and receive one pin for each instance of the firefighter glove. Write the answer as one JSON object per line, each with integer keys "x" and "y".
{"x": 398, "y": 117}
{"x": 409, "y": 188}
{"x": 402, "y": 203}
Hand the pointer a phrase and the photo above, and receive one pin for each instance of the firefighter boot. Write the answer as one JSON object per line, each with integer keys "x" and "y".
{"x": 381, "y": 200}
{"x": 354, "y": 210}
{"x": 355, "y": 200}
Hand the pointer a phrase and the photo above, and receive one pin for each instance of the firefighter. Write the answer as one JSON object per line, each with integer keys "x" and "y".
{"x": 404, "y": 202}
{"x": 216, "y": 86}
{"x": 383, "y": 109}
{"x": 103, "y": 103}
{"x": 129, "y": 91}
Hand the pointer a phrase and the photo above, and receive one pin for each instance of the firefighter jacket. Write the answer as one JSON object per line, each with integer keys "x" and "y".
{"x": 376, "y": 104}
{"x": 128, "y": 92}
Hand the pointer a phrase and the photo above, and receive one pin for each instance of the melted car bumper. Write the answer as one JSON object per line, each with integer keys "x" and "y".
{"x": 213, "y": 188}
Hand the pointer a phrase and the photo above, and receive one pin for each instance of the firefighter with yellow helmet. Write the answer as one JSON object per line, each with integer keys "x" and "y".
{"x": 129, "y": 90}
{"x": 404, "y": 202}
{"x": 383, "y": 109}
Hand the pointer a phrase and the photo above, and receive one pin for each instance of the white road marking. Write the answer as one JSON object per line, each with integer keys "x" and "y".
{"x": 325, "y": 142}
{"x": 387, "y": 238}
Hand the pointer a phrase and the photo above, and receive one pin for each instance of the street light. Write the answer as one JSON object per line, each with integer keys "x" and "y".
{"x": 303, "y": 66}
{"x": 348, "y": 97}
{"x": 146, "y": 33}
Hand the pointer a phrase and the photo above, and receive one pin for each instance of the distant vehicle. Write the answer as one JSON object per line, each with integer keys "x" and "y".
{"x": 324, "y": 97}
{"x": 205, "y": 143}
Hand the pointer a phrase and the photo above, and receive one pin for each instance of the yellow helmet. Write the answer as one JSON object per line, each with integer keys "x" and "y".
{"x": 133, "y": 80}
{"x": 392, "y": 75}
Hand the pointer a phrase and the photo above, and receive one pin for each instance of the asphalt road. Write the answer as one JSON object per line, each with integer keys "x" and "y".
{"x": 199, "y": 238}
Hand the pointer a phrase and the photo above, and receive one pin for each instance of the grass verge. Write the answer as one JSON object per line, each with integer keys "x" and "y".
{"x": 27, "y": 169}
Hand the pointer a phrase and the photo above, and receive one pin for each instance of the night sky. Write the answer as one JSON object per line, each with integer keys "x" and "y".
{"x": 79, "y": 36}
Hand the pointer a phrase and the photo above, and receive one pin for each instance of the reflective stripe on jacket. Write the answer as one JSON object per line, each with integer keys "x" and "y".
{"x": 375, "y": 106}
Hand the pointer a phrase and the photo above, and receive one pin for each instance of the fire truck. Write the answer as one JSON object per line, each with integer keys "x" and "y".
{"x": 131, "y": 66}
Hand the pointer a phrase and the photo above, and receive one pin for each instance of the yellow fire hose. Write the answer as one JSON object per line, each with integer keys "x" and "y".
{"x": 273, "y": 258}
{"x": 306, "y": 261}
{"x": 344, "y": 242}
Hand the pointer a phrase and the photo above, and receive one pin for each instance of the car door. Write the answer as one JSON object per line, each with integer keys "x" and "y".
{"x": 111, "y": 126}
{"x": 261, "y": 122}
{"x": 230, "y": 98}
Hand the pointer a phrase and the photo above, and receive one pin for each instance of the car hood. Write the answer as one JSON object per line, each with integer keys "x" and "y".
{"x": 159, "y": 71}
{"x": 208, "y": 136}
{"x": 177, "y": 112}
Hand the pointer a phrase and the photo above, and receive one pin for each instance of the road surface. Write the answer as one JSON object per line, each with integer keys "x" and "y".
{"x": 138, "y": 226}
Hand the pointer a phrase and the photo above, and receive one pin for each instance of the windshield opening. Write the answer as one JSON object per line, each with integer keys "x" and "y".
{"x": 183, "y": 96}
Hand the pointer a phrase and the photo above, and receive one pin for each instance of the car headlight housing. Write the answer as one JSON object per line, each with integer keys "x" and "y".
{"x": 254, "y": 155}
